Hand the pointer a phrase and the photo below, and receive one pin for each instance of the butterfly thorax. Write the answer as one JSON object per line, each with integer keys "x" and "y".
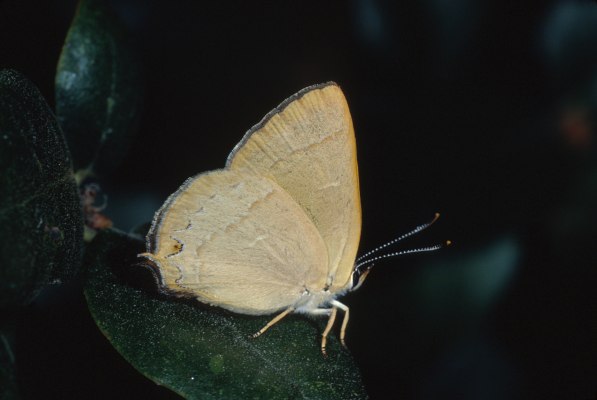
{"x": 314, "y": 299}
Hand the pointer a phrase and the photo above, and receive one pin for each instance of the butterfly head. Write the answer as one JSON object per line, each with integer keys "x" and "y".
{"x": 359, "y": 275}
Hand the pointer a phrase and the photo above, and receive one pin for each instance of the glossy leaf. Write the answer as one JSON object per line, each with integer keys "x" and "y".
{"x": 97, "y": 89}
{"x": 204, "y": 353}
{"x": 41, "y": 223}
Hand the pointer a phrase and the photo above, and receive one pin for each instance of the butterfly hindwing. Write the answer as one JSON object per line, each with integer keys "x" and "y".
{"x": 239, "y": 241}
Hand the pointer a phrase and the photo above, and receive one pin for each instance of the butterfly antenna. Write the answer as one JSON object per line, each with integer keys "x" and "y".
{"x": 403, "y": 252}
{"x": 391, "y": 242}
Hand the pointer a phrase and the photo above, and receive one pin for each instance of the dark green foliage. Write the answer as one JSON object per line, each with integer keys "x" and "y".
{"x": 207, "y": 354}
{"x": 97, "y": 89}
{"x": 40, "y": 215}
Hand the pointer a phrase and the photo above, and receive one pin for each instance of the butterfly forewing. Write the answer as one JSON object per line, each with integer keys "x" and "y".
{"x": 307, "y": 146}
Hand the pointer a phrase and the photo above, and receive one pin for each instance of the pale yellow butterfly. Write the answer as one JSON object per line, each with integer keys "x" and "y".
{"x": 278, "y": 228}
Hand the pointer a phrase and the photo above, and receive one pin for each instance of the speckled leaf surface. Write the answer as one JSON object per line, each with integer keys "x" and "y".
{"x": 204, "y": 353}
{"x": 41, "y": 223}
{"x": 97, "y": 89}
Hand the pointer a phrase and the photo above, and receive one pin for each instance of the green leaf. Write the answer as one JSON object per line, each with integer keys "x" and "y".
{"x": 41, "y": 224}
{"x": 97, "y": 89}
{"x": 205, "y": 353}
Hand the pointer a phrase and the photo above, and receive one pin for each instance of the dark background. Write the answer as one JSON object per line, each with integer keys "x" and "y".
{"x": 482, "y": 110}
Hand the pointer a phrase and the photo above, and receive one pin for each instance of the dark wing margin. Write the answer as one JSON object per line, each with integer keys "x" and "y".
{"x": 281, "y": 107}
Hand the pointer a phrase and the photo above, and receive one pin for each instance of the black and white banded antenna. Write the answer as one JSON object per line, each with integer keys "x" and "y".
{"x": 363, "y": 261}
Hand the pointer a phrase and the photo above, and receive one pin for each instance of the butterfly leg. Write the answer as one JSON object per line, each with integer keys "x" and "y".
{"x": 344, "y": 308}
{"x": 274, "y": 321}
{"x": 332, "y": 317}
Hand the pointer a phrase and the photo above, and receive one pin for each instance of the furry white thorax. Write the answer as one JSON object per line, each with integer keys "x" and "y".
{"x": 317, "y": 300}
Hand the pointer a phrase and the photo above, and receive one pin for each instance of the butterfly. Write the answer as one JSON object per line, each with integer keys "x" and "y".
{"x": 278, "y": 228}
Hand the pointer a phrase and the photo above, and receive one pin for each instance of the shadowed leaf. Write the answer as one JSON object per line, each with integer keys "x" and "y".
{"x": 97, "y": 89}
{"x": 40, "y": 214}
